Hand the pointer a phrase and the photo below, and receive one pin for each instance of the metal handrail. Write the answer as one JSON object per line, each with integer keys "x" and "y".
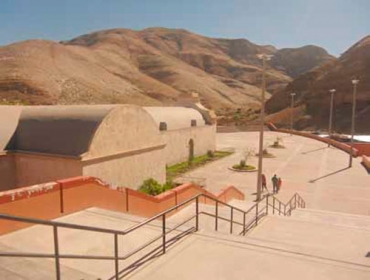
{"x": 260, "y": 212}
{"x": 298, "y": 200}
{"x": 57, "y": 256}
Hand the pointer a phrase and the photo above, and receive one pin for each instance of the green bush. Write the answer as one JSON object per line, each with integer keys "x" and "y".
{"x": 210, "y": 154}
{"x": 242, "y": 163}
{"x": 152, "y": 187}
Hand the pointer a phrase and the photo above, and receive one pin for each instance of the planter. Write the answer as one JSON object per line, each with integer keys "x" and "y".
{"x": 277, "y": 146}
{"x": 266, "y": 155}
{"x": 248, "y": 168}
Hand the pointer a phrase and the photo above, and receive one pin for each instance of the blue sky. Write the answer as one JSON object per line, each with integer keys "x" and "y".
{"x": 332, "y": 24}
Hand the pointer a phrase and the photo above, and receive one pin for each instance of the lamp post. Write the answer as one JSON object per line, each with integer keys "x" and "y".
{"x": 264, "y": 58}
{"x": 332, "y": 91}
{"x": 291, "y": 110}
{"x": 354, "y": 82}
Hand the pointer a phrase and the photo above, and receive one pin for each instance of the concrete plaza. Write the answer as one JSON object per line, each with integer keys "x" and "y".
{"x": 318, "y": 173}
{"x": 327, "y": 240}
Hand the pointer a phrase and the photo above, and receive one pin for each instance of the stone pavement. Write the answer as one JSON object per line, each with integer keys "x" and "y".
{"x": 318, "y": 173}
{"x": 218, "y": 257}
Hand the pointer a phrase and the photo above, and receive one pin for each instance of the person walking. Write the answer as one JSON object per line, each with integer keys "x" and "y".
{"x": 264, "y": 186}
{"x": 275, "y": 180}
{"x": 279, "y": 183}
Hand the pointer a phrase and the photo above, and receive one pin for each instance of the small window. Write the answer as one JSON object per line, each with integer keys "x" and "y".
{"x": 162, "y": 126}
{"x": 193, "y": 123}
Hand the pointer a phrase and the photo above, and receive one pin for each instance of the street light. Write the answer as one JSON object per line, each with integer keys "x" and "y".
{"x": 291, "y": 111}
{"x": 354, "y": 82}
{"x": 264, "y": 58}
{"x": 332, "y": 91}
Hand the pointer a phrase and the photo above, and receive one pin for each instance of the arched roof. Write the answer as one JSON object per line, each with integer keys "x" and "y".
{"x": 175, "y": 117}
{"x": 62, "y": 130}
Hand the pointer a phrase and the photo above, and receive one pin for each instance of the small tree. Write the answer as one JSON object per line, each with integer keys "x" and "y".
{"x": 247, "y": 153}
{"x": 277, "y": 142}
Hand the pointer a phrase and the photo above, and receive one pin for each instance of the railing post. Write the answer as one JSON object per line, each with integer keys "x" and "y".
{"x": 164, "y": 233}
{"x": 216, "y": 221}
{"x": 295, "y": 201}
{"x": 267, "y": 204}
{"x": 279, "y": 208}
{"x": 127, "y": 201}
{"x": 231, "y": 220}
{"x": 256, "y": 213}
{"x": 284, "y": 209}
{"x": 197, "y": 213}
{"x": 273, "y": 205}
{"x": 243, "y": 222}
{"x": 56, "y": 252}
{"x": 61, "y": 198}
{"x": 116, "y": 263}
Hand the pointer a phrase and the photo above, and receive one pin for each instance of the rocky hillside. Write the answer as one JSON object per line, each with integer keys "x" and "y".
{"x": 313, "y": 95}
{"x": 295, "y": 62}
{"x": 149, "y": 67}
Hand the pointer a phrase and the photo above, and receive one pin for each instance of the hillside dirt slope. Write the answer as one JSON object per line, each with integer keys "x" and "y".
{"x": 312, "y": 89}
{"x": 149, "y": 67}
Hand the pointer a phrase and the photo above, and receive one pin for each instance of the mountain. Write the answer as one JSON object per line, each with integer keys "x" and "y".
{"x": 313, "y": 97}
{"x": 148, "y": 67}
{"x": 295, "y": 62}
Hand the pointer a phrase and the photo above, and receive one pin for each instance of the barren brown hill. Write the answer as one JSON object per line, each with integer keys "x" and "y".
{"x": 312, "y": 90}
{"x": 297, "y": 61}
{"x": 149, "y": 67}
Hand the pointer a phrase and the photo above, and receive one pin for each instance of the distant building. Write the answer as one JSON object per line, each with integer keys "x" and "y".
{"x": 120, "y": 144}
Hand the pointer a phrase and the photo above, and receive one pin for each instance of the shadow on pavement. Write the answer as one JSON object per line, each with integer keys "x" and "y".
{"x": 327, "y": 175}
{"x": 311, "y": 151}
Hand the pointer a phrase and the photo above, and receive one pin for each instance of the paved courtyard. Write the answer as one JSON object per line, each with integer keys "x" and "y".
{"x": 318, "y": 173}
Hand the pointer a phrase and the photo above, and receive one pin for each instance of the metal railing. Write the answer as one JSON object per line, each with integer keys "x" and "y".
{"x": 257, "y": 211}
{"x": 287, "y": 208}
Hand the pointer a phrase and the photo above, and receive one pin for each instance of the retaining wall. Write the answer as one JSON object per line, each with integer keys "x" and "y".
{"x": 363, "y": 148}
{"x": 55, "y": 199}
{"x": 339, "y": 145}
{"x": 366, "y": 162}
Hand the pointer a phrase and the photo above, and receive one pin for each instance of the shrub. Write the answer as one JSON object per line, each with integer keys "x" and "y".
{"x": 210, "y": 154}
{"x": 152, "y": 187}
{"x": 242, "y": 163}
{"x": 168, "y": 186}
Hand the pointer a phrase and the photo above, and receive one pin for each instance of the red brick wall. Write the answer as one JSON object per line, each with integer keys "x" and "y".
{"x": 45, "y": 201}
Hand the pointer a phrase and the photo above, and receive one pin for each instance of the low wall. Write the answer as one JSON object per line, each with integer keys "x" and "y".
{"x": 366, "y": 162}
{"x": 341, "y": 146}
{"x": 363, "y": 148}
{"x": 55, "y": 199}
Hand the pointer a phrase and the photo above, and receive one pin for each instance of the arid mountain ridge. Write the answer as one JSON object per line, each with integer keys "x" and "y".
{"x": 312, "y": 104}
{"x": 149, "y": 67}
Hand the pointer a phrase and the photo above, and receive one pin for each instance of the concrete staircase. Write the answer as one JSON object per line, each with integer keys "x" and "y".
{"x": 310, "y": 244}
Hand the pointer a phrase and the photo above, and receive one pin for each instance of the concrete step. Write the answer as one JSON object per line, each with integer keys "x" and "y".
{"x": 39, "y": 239}
{"x": 333, "y": 218}
{"x": 31, "y": 268}
{"x": 324, "y": 240}
{"x": 212, "y": 256}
